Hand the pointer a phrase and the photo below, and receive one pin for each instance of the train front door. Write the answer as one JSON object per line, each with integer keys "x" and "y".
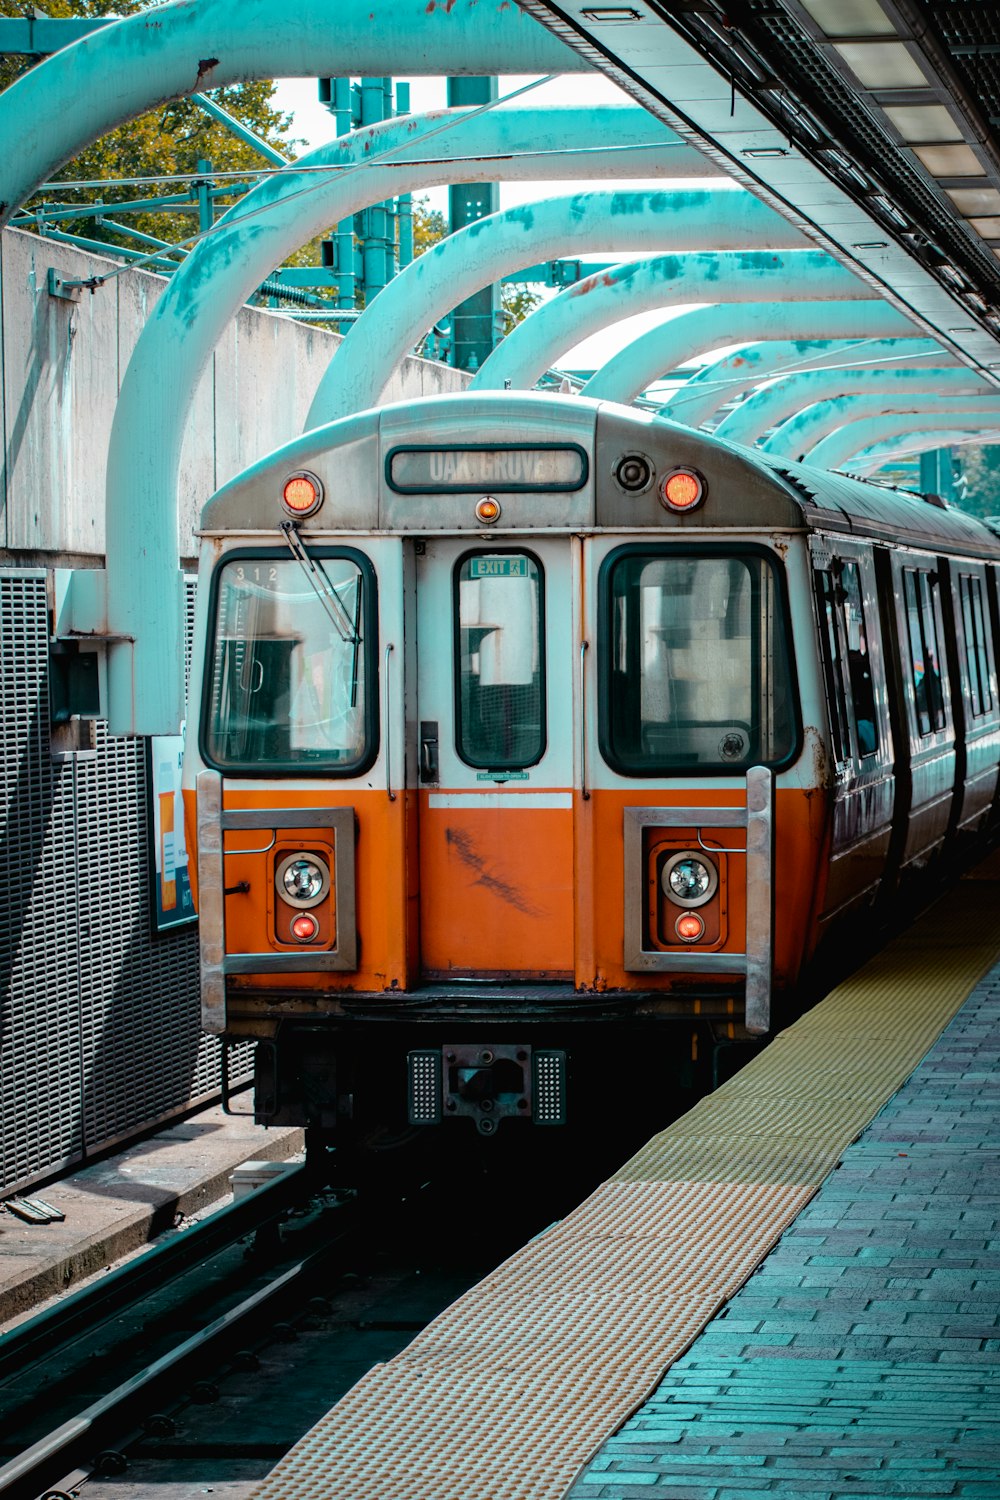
{"x": 495, "y": 633}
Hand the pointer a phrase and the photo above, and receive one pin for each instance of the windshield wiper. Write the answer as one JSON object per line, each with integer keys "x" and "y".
{"x": 321, "y": 586}
{"x": 319, "y": 582}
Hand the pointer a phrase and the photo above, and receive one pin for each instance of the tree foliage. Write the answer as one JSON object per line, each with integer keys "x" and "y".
{"x": 981, "y": 468}
{"x": 166, "y": 141}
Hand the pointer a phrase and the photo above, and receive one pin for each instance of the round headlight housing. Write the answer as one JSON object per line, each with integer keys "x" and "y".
{"x": 689, "y": 879}
{"x": 302, "y": 494}
{"x": 302, "y": 879}
{"x": 682, "y": 490}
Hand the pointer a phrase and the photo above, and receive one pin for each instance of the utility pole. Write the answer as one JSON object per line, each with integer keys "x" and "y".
{"x": 475, "y": 322}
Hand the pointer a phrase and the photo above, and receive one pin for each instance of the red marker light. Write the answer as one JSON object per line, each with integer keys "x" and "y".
{"x": 302, "y": 494}
{"x": 689, "y": 928}
{"x": 304, "y": 927}
{"x": 682, "y": 490}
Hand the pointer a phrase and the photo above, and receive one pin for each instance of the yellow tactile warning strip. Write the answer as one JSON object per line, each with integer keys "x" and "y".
{"x": 512, "y": 1389}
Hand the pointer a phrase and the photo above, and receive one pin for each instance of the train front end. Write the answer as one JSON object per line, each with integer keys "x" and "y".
{"x": 503, "y": 768}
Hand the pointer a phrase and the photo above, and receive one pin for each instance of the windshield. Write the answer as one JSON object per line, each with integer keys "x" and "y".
{"x": 289, "y": 666}
{"x": 695, "y": 670}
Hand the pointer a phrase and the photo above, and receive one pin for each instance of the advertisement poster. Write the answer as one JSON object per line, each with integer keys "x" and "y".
{"x": 172, "y": 901}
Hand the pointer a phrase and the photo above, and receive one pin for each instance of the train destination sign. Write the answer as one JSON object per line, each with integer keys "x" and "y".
{"x": 500, "y": 466}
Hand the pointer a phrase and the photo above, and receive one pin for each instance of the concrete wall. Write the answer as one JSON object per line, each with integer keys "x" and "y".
{"x": 62, "y": 364}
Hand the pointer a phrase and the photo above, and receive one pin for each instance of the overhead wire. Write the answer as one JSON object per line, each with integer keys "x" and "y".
{"x": 94, "y": 282}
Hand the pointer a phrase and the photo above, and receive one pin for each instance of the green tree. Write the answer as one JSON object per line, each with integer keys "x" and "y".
{"x": 981, "y": 468}
{"x": 428, "y": 226}
{"x": 517, "y": 300}
{"x": 164, "y": 142}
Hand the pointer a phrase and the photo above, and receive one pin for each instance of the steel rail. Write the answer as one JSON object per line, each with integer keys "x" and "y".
{"x": 22, "y": 1476}
{"x": 80, "y": 1313}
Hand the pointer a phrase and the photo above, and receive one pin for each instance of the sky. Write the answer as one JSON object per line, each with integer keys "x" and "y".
{"x": 314, "y": 123}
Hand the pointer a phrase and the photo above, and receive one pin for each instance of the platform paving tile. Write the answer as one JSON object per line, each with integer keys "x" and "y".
{"x": 862, "y": 1358}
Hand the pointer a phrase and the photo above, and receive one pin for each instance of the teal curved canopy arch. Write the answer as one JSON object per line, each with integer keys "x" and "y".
{"x": 836, "y": 451}
{"x": 910, "y": 445}
{"x": 705, "y": 392}
{"x": 783, "y": 399}
{"x": 672, "y": 343}
{"x": 503, "y": 243}
{"x": 185, "y": 47}
{"x": 801, "y": 433}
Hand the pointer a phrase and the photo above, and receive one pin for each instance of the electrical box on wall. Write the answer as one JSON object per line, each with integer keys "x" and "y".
{"x": 77, "y": 651}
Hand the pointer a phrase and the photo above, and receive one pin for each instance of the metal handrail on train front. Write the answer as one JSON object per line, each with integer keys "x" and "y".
{"x": 387, "y": 726}
{"x": 213, "y": 821}
{"x": 756, "y": 962}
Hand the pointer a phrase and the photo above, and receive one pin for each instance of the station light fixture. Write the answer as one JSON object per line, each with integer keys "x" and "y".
{"x": 883, "y": 65}
{"x": 919, "y": 124}
{"x": 610, "y": 13}
{"x": 950, "y": 159}
{"x": 854, "y": 18}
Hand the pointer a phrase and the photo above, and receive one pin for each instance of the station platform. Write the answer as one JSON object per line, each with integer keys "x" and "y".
{"x": 792, "y": 1290}
{"x": 122, "y": 1202}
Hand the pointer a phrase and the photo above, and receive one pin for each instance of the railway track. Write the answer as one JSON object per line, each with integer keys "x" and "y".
{"x": 75, "y": 1372}
{"x": 207, "y": 1370}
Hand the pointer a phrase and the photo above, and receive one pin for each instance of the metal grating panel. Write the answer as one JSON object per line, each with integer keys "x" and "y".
{"x": 40, "y": 1072}
{"x": 549, "y": 1087}
{"x": 99, "y": 1016}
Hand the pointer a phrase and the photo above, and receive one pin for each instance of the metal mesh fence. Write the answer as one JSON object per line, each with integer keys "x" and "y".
{"x": 99, "y": 1015}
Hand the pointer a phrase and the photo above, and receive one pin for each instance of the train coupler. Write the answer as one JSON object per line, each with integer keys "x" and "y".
{"x": 487, "y": 1083}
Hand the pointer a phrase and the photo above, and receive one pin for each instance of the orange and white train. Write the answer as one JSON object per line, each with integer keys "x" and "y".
{"x": 527, "y": 730}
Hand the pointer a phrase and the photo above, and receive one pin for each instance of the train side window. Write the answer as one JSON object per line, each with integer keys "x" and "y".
{"x": 694, "y": 661}
{"x": 925, "y": 656}
{"x": 827, "y": 594}
{"x": 859, "y": 667}
{"x": 977, "y": 652}
{"x": 500, "y": 661}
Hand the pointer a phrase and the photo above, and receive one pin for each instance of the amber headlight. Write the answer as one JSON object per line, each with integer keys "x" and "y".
{"x": 302, "y": 879}
{"x": 689, "y": 879}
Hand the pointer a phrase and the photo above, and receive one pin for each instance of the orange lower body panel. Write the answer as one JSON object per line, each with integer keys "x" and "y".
{"x": 532, "y": 892}
{"x": 496, "y": 891}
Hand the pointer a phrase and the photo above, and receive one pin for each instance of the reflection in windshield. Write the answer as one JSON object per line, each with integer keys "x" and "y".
{"x": 286, "y": 687}
{"x": 699, "y": 674}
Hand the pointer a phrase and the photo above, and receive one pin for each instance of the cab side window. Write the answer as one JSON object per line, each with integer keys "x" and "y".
{"x": 919, "y": 589}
